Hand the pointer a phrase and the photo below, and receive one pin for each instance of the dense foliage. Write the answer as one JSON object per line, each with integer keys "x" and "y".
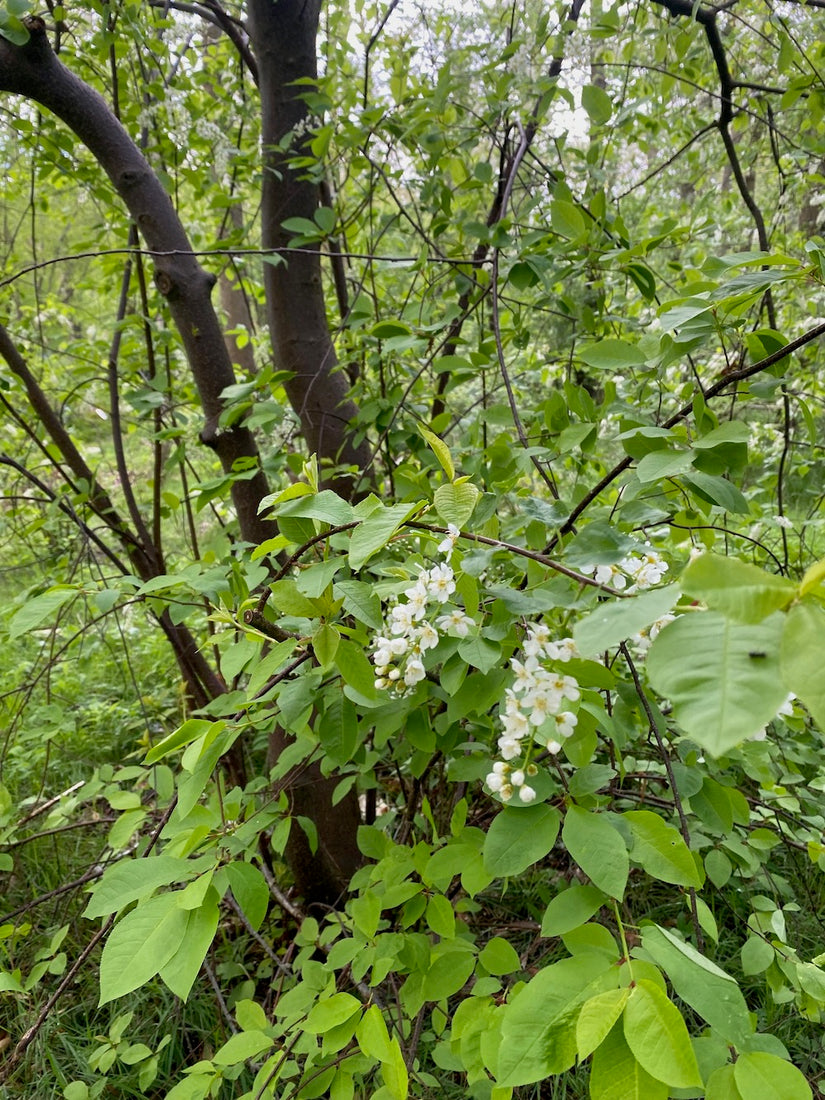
{"x": 413, "y": 665}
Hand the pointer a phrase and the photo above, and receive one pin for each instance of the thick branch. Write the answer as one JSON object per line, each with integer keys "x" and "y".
{"x": 283, "y": 36}
{"x": 32, "y": 70}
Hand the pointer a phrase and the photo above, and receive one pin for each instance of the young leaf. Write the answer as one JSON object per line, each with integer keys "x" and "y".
{"x": 660, "y": 849}
{"x": 598, "y": 849}
{"x": 519, "y": 837}
{"x": 739, "y": 589}
{"x": 139, "y": 945}
{"x": 180, "y": 972}
{"x": 657, "y": 1035}
{"x": 761, "y": 1076}
{"x": 721, "y": 692}
{"x": 617, "y": 1075}
{"x": 597, "y": 1017}
{"x": 440, "y": 450}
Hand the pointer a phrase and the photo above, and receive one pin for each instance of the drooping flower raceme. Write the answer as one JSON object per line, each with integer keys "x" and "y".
{"x": 533, "y": 711}
{"x": 398, "y": 656}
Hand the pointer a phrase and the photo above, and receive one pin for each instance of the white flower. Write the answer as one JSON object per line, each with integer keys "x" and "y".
{"x": 500, "y": 768}
{"x": 447, "y": 546}
{"x": 414, "y": 672}
{"x": 542, "y": 704}
{"x": 494, "y": 781}
{"x": 506, "y": 792}
{"x": 610, "y": 575}
{"x": 455, "y": 622}
{"x": 525, "y": 673}
{"x": 565, "y": 650}
{"x": 441, "y": 583}
{"x": 517, "y": 778}
{"x": 403, "y": 618}
{"x": 427, "y": 637}
{"x": 527, "y": 794}
{"x": 566, "y": 722}
{"x": 553, "y": 746}
{"x": 509, "y": 748}
{"x": 783, "y": 521}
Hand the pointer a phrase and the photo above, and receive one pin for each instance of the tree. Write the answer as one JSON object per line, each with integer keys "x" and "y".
{"x": 436, "y": 555}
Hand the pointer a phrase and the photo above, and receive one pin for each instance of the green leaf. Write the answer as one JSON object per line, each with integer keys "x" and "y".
{"x": 611, "y": 354}
{"x": 801, "y": 656}
{"x": 269, "y": 665}
{"x": 360, "y": 601}
{"x": 325, "y": 506}
{"x": 180, "y": 972}
{"x": 597, "y": 103}
{"x": 567, "y": 220}
{"x": 440, "y": 450}
{"x": 538, "y": 1034}
{"x": 757, "y": 955}
{"x": 338, "y": 730}
{"x": 571, "y": 908}
{"x": 132, "y": 879}
{"x": 331, "y": 1012}
{"x": 35, "y": 611}
{"x": 372, "y": 1035}
{"x": 325, "y": 644}
{"x": 701, "y": 984}
{"x": 662, "y": 464}
{"x": 597, "y": 1017}
{"x": 480, "y": 653}
{"x": 617, "y": 1075}
{"x": 250, "y": 890}
{"x": 721, "y": 677}
{"x": 191, "y": 730}
{"x": 721, "y": 1085}
{"x": 375, "y": 532}
{"x": 519, "y": 837}
{"x": 761, "y": 1076}
{"x": 287, "y": 598}
{"x": 657, "y": 1035}
{"x": 660, "y": 849}
{"x": 717, "y": 490}
{"x": 441, "y": 917}
{"x": 738, "y": 589}
{"x": 140, "y": 945}
{"x": 597, "y": 848}
{"x": 447, "y": 974}
{"x": 240, "y": 1047}
{"x": 615, "y": 620}
{"x": 355, "y": 668}
{"x": 456, "y": 503}
{"x": 499, "y": 957}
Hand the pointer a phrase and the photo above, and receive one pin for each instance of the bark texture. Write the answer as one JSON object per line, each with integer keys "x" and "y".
{"x": 283, "y": 38}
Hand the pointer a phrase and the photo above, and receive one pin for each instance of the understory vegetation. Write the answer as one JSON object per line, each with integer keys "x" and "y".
{"x": 412, "y": 549}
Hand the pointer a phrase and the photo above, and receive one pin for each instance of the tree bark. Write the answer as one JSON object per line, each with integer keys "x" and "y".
{"x": 283, "y": 37}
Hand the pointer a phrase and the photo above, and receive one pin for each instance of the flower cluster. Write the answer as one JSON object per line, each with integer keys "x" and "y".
{"x": 399, "y": 654}
{"x": 534, "y": 710}
{"x": 647, "y": 636}
{"x": 643, "y": 570}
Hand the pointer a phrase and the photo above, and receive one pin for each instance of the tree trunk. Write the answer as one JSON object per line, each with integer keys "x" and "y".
{"x": 283, "y": 37}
